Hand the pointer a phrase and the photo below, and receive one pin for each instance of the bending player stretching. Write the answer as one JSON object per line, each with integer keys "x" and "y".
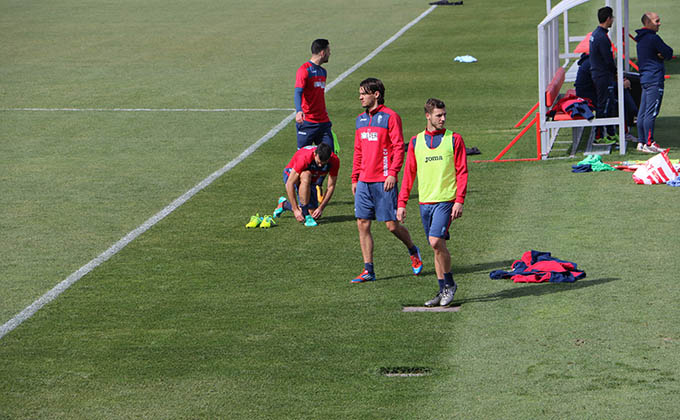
{"x": 304, "y": 169}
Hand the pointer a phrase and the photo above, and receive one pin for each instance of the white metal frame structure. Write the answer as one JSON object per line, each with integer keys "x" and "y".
{"x": 549, "y": 60}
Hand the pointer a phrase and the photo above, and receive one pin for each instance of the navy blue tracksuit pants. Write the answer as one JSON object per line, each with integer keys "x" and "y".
{"x": 650, "y": 103}
{"x": 607, "y": 104}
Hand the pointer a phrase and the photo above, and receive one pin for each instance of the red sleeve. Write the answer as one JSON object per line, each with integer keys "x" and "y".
{"x": 335, "y": 165}
{"x": 396, "y": 134}
{"x": 409, "y": 174}
{"x": 460, "y": 158}
{"x": 356, "y": 163}
{"x": 301, "y": 160}
{"x": 301, "y": 77}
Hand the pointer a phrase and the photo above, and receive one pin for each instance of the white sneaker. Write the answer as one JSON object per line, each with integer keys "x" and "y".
{"x": 434, "y": 301}
{"x": 447, "y": 295}
{"x": 656, "y": 148}
{"x": 641, "y": 147}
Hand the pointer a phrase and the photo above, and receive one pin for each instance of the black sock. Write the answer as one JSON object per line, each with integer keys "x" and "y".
{"x": 441, "y": 285}
{"x": 368, "y": 267}
{"x": 305, "y": 210}
{"x": 413, "y": 251}
{"x": 448, "y": 279}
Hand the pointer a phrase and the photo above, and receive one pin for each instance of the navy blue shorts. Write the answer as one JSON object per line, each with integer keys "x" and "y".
{"x": 309, "y": 134}
{"x": 313, "y": 199}
{"x": 372, "y": 202}
{"x": 436, "y": 219}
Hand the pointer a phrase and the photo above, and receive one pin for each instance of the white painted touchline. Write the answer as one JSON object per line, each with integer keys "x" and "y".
{"x": 115, "y": 248}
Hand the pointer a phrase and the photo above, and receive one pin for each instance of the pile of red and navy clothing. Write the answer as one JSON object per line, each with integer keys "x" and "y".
{"x": 538, "y": 267}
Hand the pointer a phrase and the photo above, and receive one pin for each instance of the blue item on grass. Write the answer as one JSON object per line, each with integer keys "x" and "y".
{"x": 581, "y": 168}
{"x": 465, "y": 59}
{"x": 674, "y": 182}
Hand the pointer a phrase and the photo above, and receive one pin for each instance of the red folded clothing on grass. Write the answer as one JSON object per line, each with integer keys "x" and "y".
{"x": 539, "y": 267}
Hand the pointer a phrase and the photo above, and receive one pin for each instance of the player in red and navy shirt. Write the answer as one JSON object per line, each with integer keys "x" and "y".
{"x": 378, "y": 157}
{"x": 300, "y": 175}
{"x": 311, "y": 118}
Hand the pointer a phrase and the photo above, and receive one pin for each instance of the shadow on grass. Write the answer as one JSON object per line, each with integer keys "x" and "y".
{"x": 536, "y": 290}
{"x": 481, "y": 267}
{"x": 488, "y": 267}
{"x": 665, "y": 131}
{"x": 337, "y": 219}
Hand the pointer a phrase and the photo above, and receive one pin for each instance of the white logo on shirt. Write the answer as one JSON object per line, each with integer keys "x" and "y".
{"x": 367, "y": 135}
{"x": 386, "y": 163}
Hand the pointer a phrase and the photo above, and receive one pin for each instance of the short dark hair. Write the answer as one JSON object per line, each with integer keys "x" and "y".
{"x": 319, "y": 45}
{"x": 645, "y": 19}
{"x": 433, "y": 103}
{"x": 604, "y": 13}
{"x": 323, "y": 151}
{"x": 373, "y": 85}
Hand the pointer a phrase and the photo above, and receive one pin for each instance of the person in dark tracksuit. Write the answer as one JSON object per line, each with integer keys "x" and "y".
{"x": 584, "y": 81}
{"x": 585, "y": 88}
{"x": 651, "y": 53}
{"x": 603, "y": 72}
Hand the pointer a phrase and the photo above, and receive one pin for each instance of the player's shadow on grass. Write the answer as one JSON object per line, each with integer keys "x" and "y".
{"x": 484, "y": 267}
{"x": 338, "y": 219}
{"x": 536, "y": 290}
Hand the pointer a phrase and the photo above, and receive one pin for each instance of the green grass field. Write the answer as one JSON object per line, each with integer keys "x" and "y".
{"x": 201, "y": 318}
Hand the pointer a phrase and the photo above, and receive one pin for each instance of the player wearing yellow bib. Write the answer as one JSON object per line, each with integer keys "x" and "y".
{"x": 437, "y": 157}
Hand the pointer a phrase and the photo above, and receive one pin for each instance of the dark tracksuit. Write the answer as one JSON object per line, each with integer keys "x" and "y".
{"x": 603, "y": 72}
{"x": 585, "y": 88}
{"x": 584, "y": 81}
{"x": 652, "y": 72}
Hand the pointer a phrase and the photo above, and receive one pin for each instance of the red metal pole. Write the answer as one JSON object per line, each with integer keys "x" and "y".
{"x": 512, "y": 143}
{"x": 524, "y": 118}
{"x": 538, "y": 137}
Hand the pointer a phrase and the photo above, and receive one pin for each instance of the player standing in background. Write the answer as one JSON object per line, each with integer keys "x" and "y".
{"x": 311, "y": 118}
{"x": 378, "y": 158}
{"x": 437, "y": 157}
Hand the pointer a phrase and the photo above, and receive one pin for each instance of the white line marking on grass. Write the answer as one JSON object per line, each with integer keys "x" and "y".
{"x": 380, "y": 48}
{"x": 148, "y": 109}
{"x": 115, "y": 248}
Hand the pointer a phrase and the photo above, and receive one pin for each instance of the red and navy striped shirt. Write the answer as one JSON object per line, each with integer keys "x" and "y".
{"x": 303, "y": 160}
{"x": 312, "y": 80}
{"x": 378, "y": 145}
